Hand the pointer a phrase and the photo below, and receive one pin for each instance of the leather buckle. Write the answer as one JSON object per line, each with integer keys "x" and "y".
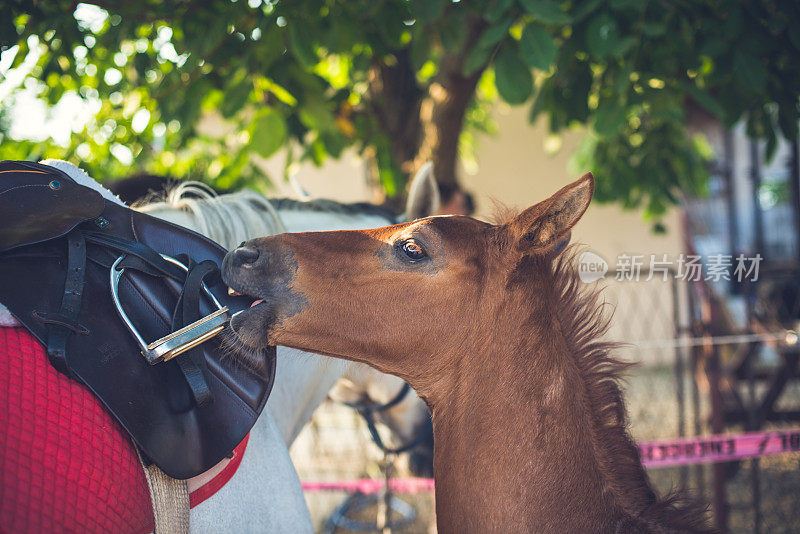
{"x": 179, "y": 341}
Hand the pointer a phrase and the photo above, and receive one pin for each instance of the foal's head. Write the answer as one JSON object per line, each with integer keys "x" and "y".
{"x": 489, "y": 324}
{"x": 414, "y": 299}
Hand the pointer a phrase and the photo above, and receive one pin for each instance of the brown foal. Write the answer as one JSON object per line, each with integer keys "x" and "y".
{"x": 492, "y": 327}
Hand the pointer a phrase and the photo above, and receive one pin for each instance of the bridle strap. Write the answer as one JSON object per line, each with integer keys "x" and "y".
{"x": 376, "y": 437}
{"x": 368, "y": 411}
{"x": 375, "y": 407}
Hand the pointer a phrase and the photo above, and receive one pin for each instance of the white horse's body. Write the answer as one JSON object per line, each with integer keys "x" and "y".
{"x": 265, "y": 494}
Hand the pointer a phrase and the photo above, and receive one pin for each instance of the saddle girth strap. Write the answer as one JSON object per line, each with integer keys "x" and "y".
{"x": 58, "y": 328}
{"x": 169, "y": 498}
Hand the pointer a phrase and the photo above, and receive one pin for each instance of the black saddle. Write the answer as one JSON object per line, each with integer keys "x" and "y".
{"x": 130, "y": 306}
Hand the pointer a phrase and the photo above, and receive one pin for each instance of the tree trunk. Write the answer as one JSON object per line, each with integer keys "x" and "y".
{"x": 443, "y": 118}
{"x": 442, "y": 112}
{"x": 394, "y": 101}
{"x": 426, "y": 125}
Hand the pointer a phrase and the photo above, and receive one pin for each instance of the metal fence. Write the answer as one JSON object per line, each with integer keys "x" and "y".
{"x": 686, "y": 385}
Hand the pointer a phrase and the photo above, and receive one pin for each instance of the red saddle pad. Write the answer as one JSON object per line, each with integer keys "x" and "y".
{"x": 65, "y": 463}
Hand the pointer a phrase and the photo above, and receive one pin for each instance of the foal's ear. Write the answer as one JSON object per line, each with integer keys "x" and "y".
{"x": 546, "y": 226}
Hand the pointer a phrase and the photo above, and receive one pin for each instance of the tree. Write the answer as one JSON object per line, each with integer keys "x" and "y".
{"x": 404, "y": 81}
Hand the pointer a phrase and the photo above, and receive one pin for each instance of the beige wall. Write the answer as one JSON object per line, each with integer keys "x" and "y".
{"x": 344, "y": 179}
{"x": 514, "y": 169}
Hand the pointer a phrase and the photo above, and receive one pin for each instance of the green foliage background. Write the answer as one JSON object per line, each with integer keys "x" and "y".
{"x": 304, "y": 76}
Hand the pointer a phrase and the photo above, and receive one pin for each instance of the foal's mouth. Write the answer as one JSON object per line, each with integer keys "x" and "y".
{"x": 267, "y": 281}
{"x": 245, "y": 339}
{"x": 250, "y": 325}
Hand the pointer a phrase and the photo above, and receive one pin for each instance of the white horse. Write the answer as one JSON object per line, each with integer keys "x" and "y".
{"x": 265, "y": 493}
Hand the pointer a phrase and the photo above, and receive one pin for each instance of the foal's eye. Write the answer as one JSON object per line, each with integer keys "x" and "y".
{"x": 413, "y": 250}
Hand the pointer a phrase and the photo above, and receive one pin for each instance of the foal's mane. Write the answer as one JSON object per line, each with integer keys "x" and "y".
{"x": 580, "y": 311}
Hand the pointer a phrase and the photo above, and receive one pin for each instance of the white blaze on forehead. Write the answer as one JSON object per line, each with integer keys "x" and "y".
{"x": 422, "y": 222}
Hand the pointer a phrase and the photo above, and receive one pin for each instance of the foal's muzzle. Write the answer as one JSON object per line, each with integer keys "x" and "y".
{"x": 262, "y": 268}
{"x": 246, "y": 256}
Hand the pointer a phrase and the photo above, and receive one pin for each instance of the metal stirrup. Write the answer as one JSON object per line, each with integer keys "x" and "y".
{"x": 181, "y": 340}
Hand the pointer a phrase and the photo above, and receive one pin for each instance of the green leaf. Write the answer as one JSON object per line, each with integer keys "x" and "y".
{"x": 750, "y": 71}
{"x": 537, "y": 47}
{"x": 452, "y": 31}
{"x": 316, "y": 113}
{"x": 390, "y": 26}
{"x": 622, "y": 81}
{"x": 235, "y": 97}
{"x": 540, "y": 102}
{"x": 585, "y": 8}
{"x": 268, "y": 133}
{"x": 334, "y": 144}
{"x": 477, "y": 58}
{"x": 316, "y": 152}
{"x": 340, "y": 36}
{"x": 609, "y": 117}
{"x": 483, "y": 48}
{"x": 602, "y": 36}
{"x": 708, "y": 102}
{"x": 512, "y": 77}
{"x": 301, "y": 42}
{"x": 497, "y": 10}
{"x": 420, "y": 47}
{"x": 623, "y": 45}
{"x": 389, "y": 174}
{"x": 546, "y": 11}
{"x": 654, "y": 29}
{"x": 494, "y": 34}
{"x": 426, "y": 11}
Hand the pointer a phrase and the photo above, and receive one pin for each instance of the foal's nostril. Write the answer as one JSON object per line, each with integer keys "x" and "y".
{"x": 243, "y": 256}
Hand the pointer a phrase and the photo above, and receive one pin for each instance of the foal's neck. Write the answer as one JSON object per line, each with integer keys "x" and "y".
{"x": 513, "y": 447}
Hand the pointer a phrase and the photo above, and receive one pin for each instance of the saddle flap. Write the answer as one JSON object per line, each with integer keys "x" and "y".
{"x": 38, "y": 203}
{"x": 152, "y": 402}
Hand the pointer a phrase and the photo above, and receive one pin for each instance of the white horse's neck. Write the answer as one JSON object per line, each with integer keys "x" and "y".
{"x": 302, "y": 382}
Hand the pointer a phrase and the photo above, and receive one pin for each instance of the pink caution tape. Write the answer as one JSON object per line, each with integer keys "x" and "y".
{"x": 719, "y": 448}
{"x": 655, "y": 454}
